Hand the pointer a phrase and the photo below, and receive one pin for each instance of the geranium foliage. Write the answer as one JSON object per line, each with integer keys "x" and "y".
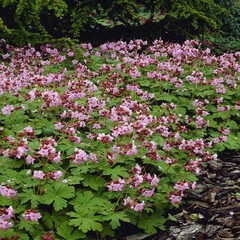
{"x": 118, "y": 134}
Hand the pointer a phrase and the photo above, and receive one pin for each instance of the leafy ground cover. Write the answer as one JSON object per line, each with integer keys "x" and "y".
{"x": 92, "y": 138}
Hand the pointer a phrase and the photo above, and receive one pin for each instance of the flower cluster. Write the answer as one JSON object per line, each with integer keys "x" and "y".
{"x": 5, "y": 216}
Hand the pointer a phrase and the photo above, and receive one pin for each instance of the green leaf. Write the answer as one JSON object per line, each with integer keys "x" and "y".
{"x": 57, "y": 193}
{"x": 220, "y": 146}
{"x": 116, "y": 172}
{"x": 4, "y": 201}
{"x": 28, "y": 225}
{"x": 158, "y": 139}
{"x": 84, "y": 198}
{"x": 116, "y": 217}
{"x": 171, "y": 218}
{"x": 7, "y": 234}
{"x": 34, "y": 144}
{"x": 68, "y": 232}
{"x": 48, "y": 220}
{"x": 65, "y": 144}
{"x": 150, "y": 224}
{"x": 59, "y": 203}
{"x": 93, "y": 182}
{"x": 87, "y": 201}
{"x": 165, "y": 97}
{"x": 156, "y": 111}
{"x": 232, "y": 142}
{"x": 32, "y": 227}
{"x": 207, "y": 93}
{"x": 23, "y": 236}
{"x": 85, "y": 220}
{"x": 223, "y": 115}
{"x": 29, "y": 195}
{"x": 233, "y": 125}
{"x": 191, "y": 177}
{"x": 145, "y": 83}
{"x": 86, "y": 224}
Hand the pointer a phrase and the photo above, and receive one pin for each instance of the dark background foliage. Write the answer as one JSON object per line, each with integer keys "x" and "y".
{"x": 97, "y": 21}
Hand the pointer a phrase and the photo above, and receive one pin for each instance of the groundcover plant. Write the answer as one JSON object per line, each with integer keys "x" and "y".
{"x": 92, "y": 138}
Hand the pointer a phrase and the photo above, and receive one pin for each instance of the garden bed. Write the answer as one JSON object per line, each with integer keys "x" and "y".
{"x": 95, "y": 139}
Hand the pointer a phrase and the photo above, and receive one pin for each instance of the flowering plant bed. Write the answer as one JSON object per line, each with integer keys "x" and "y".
{"x": 91, "y": 138}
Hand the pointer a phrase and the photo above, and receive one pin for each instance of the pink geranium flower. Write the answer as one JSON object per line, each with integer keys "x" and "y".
{"x": 31, "y": 215}
{"x": 7, "y": 109}
{"x": 38, "y": 174}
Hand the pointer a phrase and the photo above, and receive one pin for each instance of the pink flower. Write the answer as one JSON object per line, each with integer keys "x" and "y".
{"x": 199, "y": 122}
{"x": 74, "y": 62}
{"x": 30, "y": 160}
{"x": 237, "y": 107}
{"x": 28, "y": 129}
{"x": 105, "y": 138}
{"x": 80, "y": 156}
{"x": 21, "y": 151}
{"x": 75, "y": 139}
{"x": 132, "y": 151}
{"x": 194, "y": 165}
{"x": 194, "y": 185}
{"x": 70, "y": 54}
{"x": 6, "y": 153}
{"x": 154, "y": 181}
{"x": 139, "y": 206}
{"x": 6, "y": 56}
{"x": 93, "y": 157}
{"x": 59, "y": 126}
{"x": 175, "y": 199}
{"x": 225, "y": 131}
{"x": 31, "y": 215}
{"x": 116, "y": 149}
{"x": 4, "y": 225}
{"x": 167, "y": 147}
{"x": 57, "y": 175}
{"x": 7, "y": 109}
{"x": 136, "y": 180}
{"x": 38, "y": 174}
{"x": 6, "y": 214}
{"x": 57, "y": 157}
{"x": 148, "y": 192}
{"x": 181, "y": 187}
{"x": 116, "y": 185}
{"x": 135, "y": 205}
{"x": 127, "y": 201}
{"x": 96, "y": 126}
{"x": 8, "y": 192}
{"x": 46, "y": 150}
{"x": 134, "y": 73}
{"x": 137, "y": 169}
{"x": 10, "y": 139}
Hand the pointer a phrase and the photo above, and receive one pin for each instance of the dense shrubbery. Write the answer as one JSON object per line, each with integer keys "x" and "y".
{"x": 39, "y": 21}
{"x": 95, "y": 137}
{"x": 229, "y": 38}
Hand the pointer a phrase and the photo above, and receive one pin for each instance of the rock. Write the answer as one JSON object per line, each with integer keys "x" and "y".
{"x": 186, "y": 232}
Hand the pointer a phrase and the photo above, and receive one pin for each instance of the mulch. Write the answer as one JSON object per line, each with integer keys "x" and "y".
{"x": 212, "y": 210}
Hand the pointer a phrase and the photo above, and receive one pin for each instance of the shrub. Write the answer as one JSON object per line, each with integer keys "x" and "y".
{"x": 38, "y": 20}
